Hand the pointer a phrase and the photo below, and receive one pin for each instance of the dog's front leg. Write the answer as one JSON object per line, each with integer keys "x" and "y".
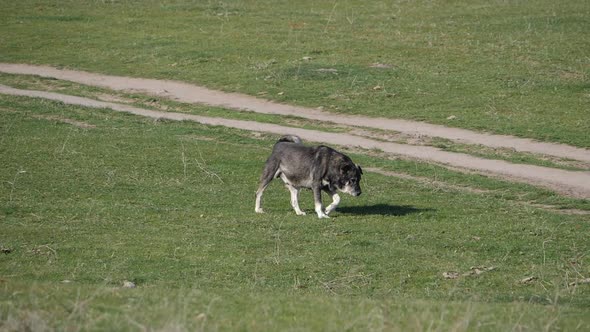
{"x": 317, "y": 198}
{"x": 334, "y": 204}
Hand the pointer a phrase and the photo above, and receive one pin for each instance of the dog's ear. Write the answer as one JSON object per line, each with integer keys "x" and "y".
{"x": 360, "y": 169}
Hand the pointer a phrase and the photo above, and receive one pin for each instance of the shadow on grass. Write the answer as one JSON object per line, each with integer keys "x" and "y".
{"x": 381, "y": 209}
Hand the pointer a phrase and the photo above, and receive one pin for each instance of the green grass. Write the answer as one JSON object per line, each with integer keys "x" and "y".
{"x": 169, "y": 206}
{"x": 518, "y": 68}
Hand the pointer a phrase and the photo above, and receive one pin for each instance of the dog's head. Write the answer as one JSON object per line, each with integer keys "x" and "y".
{"x": 350, "y": 179}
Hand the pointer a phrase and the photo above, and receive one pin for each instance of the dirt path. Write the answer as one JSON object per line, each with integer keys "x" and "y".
{"x": 571, "y": 183}
{"x": 194, "y": 94}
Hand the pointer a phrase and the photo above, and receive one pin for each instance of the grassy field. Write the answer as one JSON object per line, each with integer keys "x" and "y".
{"x": 512, "y": 67}
{"x": 92, "y": 198}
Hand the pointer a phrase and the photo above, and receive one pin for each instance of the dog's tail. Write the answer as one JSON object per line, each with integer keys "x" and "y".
{"x": 290, "y": 138}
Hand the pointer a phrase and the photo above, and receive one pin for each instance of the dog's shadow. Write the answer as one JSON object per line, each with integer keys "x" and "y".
{"x": 381, "y": 209}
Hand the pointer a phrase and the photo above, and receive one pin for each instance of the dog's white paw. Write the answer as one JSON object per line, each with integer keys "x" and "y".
{"x": 259, "y": 210}
{"x": 300, "y": 213}
{"x": 323, "y": 215}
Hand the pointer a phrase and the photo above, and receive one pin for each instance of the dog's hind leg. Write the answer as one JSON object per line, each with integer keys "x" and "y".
{"x": 259, "y": 192}
{"x": 295, "y": 199}
{"x": 269, "y": 173}
{"x": 335, "y": 201}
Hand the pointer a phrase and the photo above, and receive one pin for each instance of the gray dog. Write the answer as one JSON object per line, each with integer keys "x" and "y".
{"x": 318, "y": 168}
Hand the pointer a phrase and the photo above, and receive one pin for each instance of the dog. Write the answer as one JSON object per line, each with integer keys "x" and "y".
{"x": 318, "y": 168}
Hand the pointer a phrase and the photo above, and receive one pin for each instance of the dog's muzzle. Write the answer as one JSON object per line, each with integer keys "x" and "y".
{"x": 351, "y": 190}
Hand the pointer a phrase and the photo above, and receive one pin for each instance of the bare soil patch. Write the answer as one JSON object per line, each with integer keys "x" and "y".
{"x": 72, "y": 122}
